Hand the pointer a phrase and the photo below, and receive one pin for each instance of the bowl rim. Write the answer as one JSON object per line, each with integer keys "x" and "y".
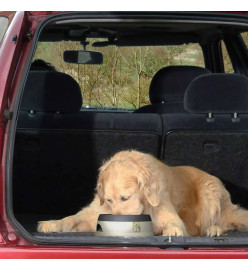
{"x": 124, "y": 218}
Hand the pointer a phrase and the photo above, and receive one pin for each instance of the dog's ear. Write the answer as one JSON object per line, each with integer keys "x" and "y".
{"x": 99, "y": 185}
{"x": 99, "y": 190}
{"x": 151, "y": 192}
{"x": 150, "y": 182}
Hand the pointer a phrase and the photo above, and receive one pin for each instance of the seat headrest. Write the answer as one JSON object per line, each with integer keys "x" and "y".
{"x": 169, "y": 83}
{"x": 217, "y": 93}
{"x": 50, "y": 91}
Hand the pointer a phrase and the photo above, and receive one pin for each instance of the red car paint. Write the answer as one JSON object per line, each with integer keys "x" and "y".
{"x": 14, "y": 49}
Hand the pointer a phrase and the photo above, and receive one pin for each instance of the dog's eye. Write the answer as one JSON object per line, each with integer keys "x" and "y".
{"x": 125, "y": 198}
{"x": 108, "y": 200}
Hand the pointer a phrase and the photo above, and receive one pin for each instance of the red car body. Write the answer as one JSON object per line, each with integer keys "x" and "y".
{"x": 14, "y": 49}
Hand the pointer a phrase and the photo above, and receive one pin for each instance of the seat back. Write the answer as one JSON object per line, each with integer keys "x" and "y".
{"x": 213, "y": 134}
{"x": 58, "y": 152}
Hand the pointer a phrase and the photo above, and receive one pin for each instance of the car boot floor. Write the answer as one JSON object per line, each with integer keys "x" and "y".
{"x": 30, "y": 222}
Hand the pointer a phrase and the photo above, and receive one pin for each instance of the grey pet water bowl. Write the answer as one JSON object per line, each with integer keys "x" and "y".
{"x": 124, "y": 225}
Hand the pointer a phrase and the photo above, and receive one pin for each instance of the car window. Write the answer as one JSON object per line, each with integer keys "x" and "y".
{"x": 3, "y": 26}
{"x": 228, "y": 67}
{"x": 245, "y": 38}
{"x": 123, "y": 80}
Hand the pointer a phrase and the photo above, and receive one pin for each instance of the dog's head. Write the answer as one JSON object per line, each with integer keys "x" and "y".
{"x": 128, "y": 187}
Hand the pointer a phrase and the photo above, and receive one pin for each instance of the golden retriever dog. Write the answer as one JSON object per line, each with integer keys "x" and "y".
{"x": 182, "y": 200}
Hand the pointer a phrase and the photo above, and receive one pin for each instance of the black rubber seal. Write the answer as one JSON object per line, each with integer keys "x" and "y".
{"x": 121, "y": 218}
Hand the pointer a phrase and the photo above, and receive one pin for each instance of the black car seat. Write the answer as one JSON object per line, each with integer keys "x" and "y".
{"x": 167, "y": 88}
{"x": 49, "y": 91}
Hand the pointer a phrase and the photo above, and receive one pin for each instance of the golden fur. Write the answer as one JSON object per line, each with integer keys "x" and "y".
{"x": 181, "y": 200}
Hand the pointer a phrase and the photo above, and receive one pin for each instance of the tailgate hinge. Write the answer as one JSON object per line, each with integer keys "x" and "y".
{"x": 29, "y": 35}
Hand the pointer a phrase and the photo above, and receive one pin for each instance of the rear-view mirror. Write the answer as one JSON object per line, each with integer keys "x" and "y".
{"x": 83, "y": 57}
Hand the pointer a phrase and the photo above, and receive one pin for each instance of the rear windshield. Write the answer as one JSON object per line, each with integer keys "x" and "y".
{"x": 124, "y": 78}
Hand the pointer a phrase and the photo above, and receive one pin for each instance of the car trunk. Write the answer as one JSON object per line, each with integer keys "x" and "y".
{"x": 56, "y": 154}
{"x": 55, "y": 170}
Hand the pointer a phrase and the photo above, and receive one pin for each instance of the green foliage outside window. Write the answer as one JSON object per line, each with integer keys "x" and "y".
{"x": 124, "y": 78}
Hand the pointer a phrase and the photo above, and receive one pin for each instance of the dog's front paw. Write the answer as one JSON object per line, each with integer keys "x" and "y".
{"x": 173, "y": 230}
{"x": 214, "y": 230}
{"x": 49, "y": 226}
